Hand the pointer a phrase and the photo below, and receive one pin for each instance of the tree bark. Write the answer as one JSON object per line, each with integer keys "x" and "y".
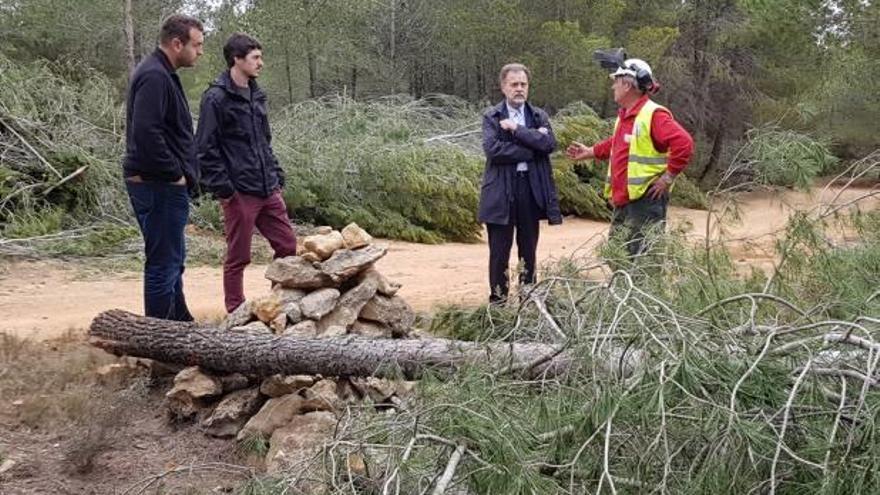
{"x": 287, "y": 70}
{"x": 129, "y": 37}
{"x": 123, "y": 333}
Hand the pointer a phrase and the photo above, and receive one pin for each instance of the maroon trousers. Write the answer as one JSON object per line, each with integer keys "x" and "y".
{"x": 241, "y": 213}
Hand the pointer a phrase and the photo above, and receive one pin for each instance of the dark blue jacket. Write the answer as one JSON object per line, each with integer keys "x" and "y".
{"x": 235, "y": 143}
{"x": 504, "y": 150}
{"x": 158, "y": 126}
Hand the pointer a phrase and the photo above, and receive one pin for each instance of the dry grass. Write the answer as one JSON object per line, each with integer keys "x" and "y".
{"x": 49, "y": 383}
{"x": 53, "y": 386}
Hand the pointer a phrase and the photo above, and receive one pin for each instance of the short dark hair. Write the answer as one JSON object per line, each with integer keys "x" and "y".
{"x": 178, "y": 26}
{"x": 238, "y": 46}
{"x": 514, "y": 68}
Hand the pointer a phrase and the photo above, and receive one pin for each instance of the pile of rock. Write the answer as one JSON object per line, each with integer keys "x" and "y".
{"x": 293, "y": 415}
{"x": 330, "y": 288}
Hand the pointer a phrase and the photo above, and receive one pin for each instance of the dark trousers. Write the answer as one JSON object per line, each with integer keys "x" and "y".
{"x": 162, "y": 210}
{"x": 524, "y": 216}
{"x": 241, "y": 213}
{"x": 631, "y": 221}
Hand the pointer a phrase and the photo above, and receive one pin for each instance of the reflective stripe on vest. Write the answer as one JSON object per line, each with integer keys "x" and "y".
{"x": 645, "y": 163}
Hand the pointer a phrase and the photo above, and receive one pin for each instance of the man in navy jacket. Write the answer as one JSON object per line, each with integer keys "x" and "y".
{"x": 238, "y": 165}
{"x": 159, "y": 164}
{"x": 517, "y": 189}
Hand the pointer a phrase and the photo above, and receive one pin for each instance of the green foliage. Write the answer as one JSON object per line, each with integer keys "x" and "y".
{"x": 56, "y": 119}
{"x": 579, "y": 122}
{"x": 842, "y": 282}
{"x": 372, "y": 163}
{"x": 651, "y": 42}
{"x": 584, "y": 199}
{"x": 681, "y": 373}
{"x": 786, "y": 158}
{"x": 561, "y": 62}
{"x": 256, "y": 445}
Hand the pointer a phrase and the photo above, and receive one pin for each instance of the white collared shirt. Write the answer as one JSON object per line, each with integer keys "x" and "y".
{"x": 517, "y": 115}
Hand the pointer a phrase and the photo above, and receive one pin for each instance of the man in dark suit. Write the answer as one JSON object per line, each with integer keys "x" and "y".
{"x": 517, "y": 189}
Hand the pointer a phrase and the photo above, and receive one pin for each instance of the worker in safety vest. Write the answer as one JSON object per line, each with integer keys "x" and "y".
{"x": 645, "y": 154}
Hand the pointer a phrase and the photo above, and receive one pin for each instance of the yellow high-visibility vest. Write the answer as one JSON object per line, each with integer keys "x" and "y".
{"x": 645, "y": 163}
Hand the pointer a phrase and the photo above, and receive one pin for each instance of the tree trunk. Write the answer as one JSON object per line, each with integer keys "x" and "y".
{"x": 190, "y": 344}
{"x": 714, "y": 155}
{"x": 287, "y": 70}
{"x": 313, "y": 73}
{"x": 129, "y": 37}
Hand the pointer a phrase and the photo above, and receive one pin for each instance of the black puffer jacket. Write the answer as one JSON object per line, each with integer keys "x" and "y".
{"x": 235, "y": 143}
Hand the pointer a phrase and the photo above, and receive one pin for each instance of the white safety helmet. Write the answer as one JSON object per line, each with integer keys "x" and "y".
{"x": 639, "y": 70}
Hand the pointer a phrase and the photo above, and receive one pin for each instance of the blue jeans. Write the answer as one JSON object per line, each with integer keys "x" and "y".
{"x": 162, "y": 210}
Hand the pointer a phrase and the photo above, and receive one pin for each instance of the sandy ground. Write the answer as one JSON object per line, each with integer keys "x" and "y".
{"x": 45, "y": 299}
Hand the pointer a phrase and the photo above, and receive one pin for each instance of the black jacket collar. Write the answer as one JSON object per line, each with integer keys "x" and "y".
{"x": 224, "y": 80}
{"x": 163, "y": 59}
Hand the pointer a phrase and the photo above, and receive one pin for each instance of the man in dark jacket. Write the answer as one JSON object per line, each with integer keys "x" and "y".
{"x": 518, "y": 188}
{"x": 160, "y": 163}
{"x": 238, "y": 166}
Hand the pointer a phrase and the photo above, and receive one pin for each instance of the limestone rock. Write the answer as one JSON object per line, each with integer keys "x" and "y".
{"x": 156, "y": 369}
{"x": 240, "y": 316}
{"x": 286, "y": 295}
{"x": 356, "y": 464}
{"x": 279, "y": 385}
{"x": 293, "y": 272}
{"x": 191, "y": 387}
{"x": 377, "y": 389}
{"x": 323, "y": 230}
{"x": 319, "y": 303}
{"x": 195, "y": 383}
{"x": 305, "y": 328}
{"x": 346, "y": 263}
{"x": 312, "y": 257}
{"x": 392, "y": 312}
{"x": 347, "y": 309}
{"x": 292, "y": 447}
{"x": 384, "y": 286}
{"x": 370, "y": 329}
{"x": 293, "y": 312}
{"x": 267, "y": 308}
{"x": 232, "y": 413}
{"x": 279, "y": 323}
{"x": 119, "y": 374}
{"x": 275, "y": 413}
{"x": 324, "y": 244}
{"x": 355, "y": 237}
{"x": 254, "y": 327}
{"x": 323, "y": 395}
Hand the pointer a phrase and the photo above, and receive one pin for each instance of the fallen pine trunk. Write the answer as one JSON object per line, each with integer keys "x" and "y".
{"x": 123, "y": 333}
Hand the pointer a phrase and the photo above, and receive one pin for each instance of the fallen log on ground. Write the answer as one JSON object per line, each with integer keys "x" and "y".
{"x": 123, "y": 333}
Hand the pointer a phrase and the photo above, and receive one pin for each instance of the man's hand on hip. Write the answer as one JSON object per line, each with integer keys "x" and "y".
{"x": 660, "y": 187}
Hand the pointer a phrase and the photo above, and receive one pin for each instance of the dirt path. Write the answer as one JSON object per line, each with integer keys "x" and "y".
{"x": 43, "y": 300}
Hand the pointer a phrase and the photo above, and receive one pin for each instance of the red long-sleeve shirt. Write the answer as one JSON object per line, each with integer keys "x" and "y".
{"x": 667, "y": 135}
